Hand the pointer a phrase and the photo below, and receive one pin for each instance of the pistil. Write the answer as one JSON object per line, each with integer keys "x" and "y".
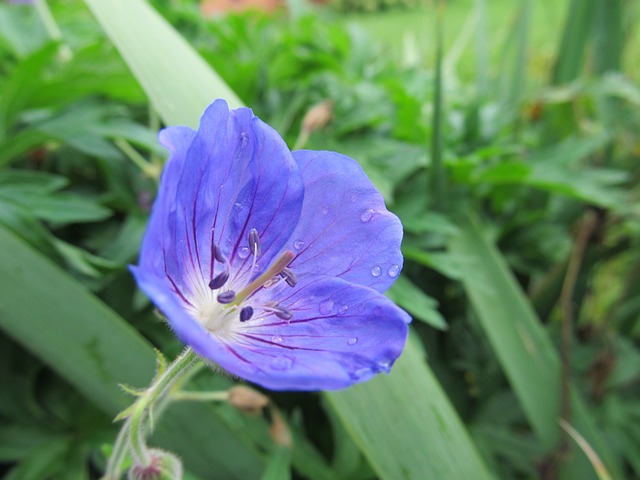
{"x": 275, "y": 269}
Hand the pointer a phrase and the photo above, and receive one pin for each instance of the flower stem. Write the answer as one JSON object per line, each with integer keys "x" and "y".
{"x": 133, "y": 434}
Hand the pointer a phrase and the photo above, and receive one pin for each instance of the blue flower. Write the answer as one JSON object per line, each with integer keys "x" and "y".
{"x": 270, "y": 263}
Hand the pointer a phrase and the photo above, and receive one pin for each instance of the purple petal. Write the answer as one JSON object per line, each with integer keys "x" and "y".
{"x": 235, "y": 174}
{"x": 186, "y": 328}
{"x": 344, "y": 229}
{"x": 177, "y": 140}
{"x": 340, "y": 334}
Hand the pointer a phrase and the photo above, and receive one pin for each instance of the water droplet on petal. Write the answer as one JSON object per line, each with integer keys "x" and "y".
{"x": 383, "y": 365}
{"x": 343, "y": 309}
{"x": 352, "y": 341}
{"x": 393, "y": 271}
{"x": 354, "y": 197}
{"x": 281, "y": 363}
{"x": 326, "y": 307}
{"x": 298, "y": 244}
{"x": 366, "y": 215}
{"x": 361, "y": 373}
{"x": 325, "y": 209}
{"x": 243, "y": 252}
{"x": 276, "y": 339}
{"x": 244, "y": 139}
{"x": 376, "y": 271}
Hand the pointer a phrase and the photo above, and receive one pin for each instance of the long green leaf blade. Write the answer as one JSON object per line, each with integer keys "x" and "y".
{"x": 405, "y": 425}
{"x": 178, "y": 81}
{"x": 525, "y": 352}
{"x": 89, "y": 345}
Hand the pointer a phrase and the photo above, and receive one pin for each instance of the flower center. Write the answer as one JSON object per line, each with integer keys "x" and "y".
{"x": 218, "y": 309}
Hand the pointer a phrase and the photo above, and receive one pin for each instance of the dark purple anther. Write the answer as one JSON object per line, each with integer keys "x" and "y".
{"x": 289, "y": 277}
{"x": 217, "y": 254}
{"x": 254, "y": 242}
{"x": 283, "y": 313}
{"x": 227, "y": 297}
{"x": 246, "y": 313}
{"x": 219, "y": 280}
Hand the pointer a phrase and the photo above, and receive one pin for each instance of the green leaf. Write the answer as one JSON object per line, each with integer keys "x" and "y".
{"x": 21, "y": 83}
{"x": 405, "y": 425}
{"x": 94, "y": 349}
{"x": 526, "y": 354}
{"x": 416, "y": 302}
{"x": 279, "y": 465}
{"x": 59, "y": 208}
{"x": 31, "y": 181}
{"x": 177, "y": 80}
{"x": 577, "y": 30}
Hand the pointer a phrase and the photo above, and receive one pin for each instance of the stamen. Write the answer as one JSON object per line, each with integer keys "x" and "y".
{"x": 277, "y": 310}
{"x": 226, "y": 297}
{"x": 283, "y": 313}
{"x": 217, "y": 254}
{"x": 282, "y": 262}
{"x": 219, "y": 280}
{"x": 246, "y": 313}
{"x": 289, "y": 277}
{"x": 254, "y": 242}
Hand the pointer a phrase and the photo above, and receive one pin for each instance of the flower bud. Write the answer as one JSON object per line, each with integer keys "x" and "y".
{"x": 247, "y": 400}
{"x": 279, "y": 430}
{"x": 162, "y": 466}
{"x": 317, "y": 116}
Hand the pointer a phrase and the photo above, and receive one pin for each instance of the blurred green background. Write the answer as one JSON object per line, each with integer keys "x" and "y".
{"x": 503, "y": 133}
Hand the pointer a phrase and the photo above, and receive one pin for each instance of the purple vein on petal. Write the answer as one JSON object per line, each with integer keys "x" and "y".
{"x": 288, "y": 347}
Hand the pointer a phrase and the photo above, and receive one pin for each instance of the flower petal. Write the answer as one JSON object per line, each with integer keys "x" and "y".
{"x": 186, "y": 328}
{"x": 177, "y": 140}
{"x": 236, "y": 175}
{"x": 340, "y": 334}
{"x": 344, "y": 229}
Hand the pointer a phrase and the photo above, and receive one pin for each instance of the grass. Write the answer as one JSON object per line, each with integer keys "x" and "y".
{"x": 404, "y": 30}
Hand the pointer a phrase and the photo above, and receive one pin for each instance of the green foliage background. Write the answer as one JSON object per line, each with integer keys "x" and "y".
{"x": 513, "y": 166}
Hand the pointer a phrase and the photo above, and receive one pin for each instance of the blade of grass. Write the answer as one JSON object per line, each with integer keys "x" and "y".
{"x": 89, "y": 345}
{"x": 608, "y": 35}
{"x": 177, "y": 80}
{"x": 577, "y": 31}
{"x": 525, "y": 352}
{"x": 408, "y": 410}
{"x": 437, "y": 171}
{"x": 512, "y": 77}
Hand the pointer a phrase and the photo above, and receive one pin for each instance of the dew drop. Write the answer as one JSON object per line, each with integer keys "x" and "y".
{"x": 354, "y": 197}
{"x": 281, "y": 363}
{"x": 352, "y": 341}
{"x": 298, "y": 244}
{"x": 244, "y": 139}
{"x": 393, "y": 271}
{"x": 276, "y": 339}
{"x": 383, "y": 365}
{"x": 376, "y": 271}
{"x": 326, "y": 306}
{"x": 343, "y": 309}
{"x": 361, "y": 373}
{"x": 325, "y": 209}
{"x": 366, "y": 215}
{"x": 244, "y": 252}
